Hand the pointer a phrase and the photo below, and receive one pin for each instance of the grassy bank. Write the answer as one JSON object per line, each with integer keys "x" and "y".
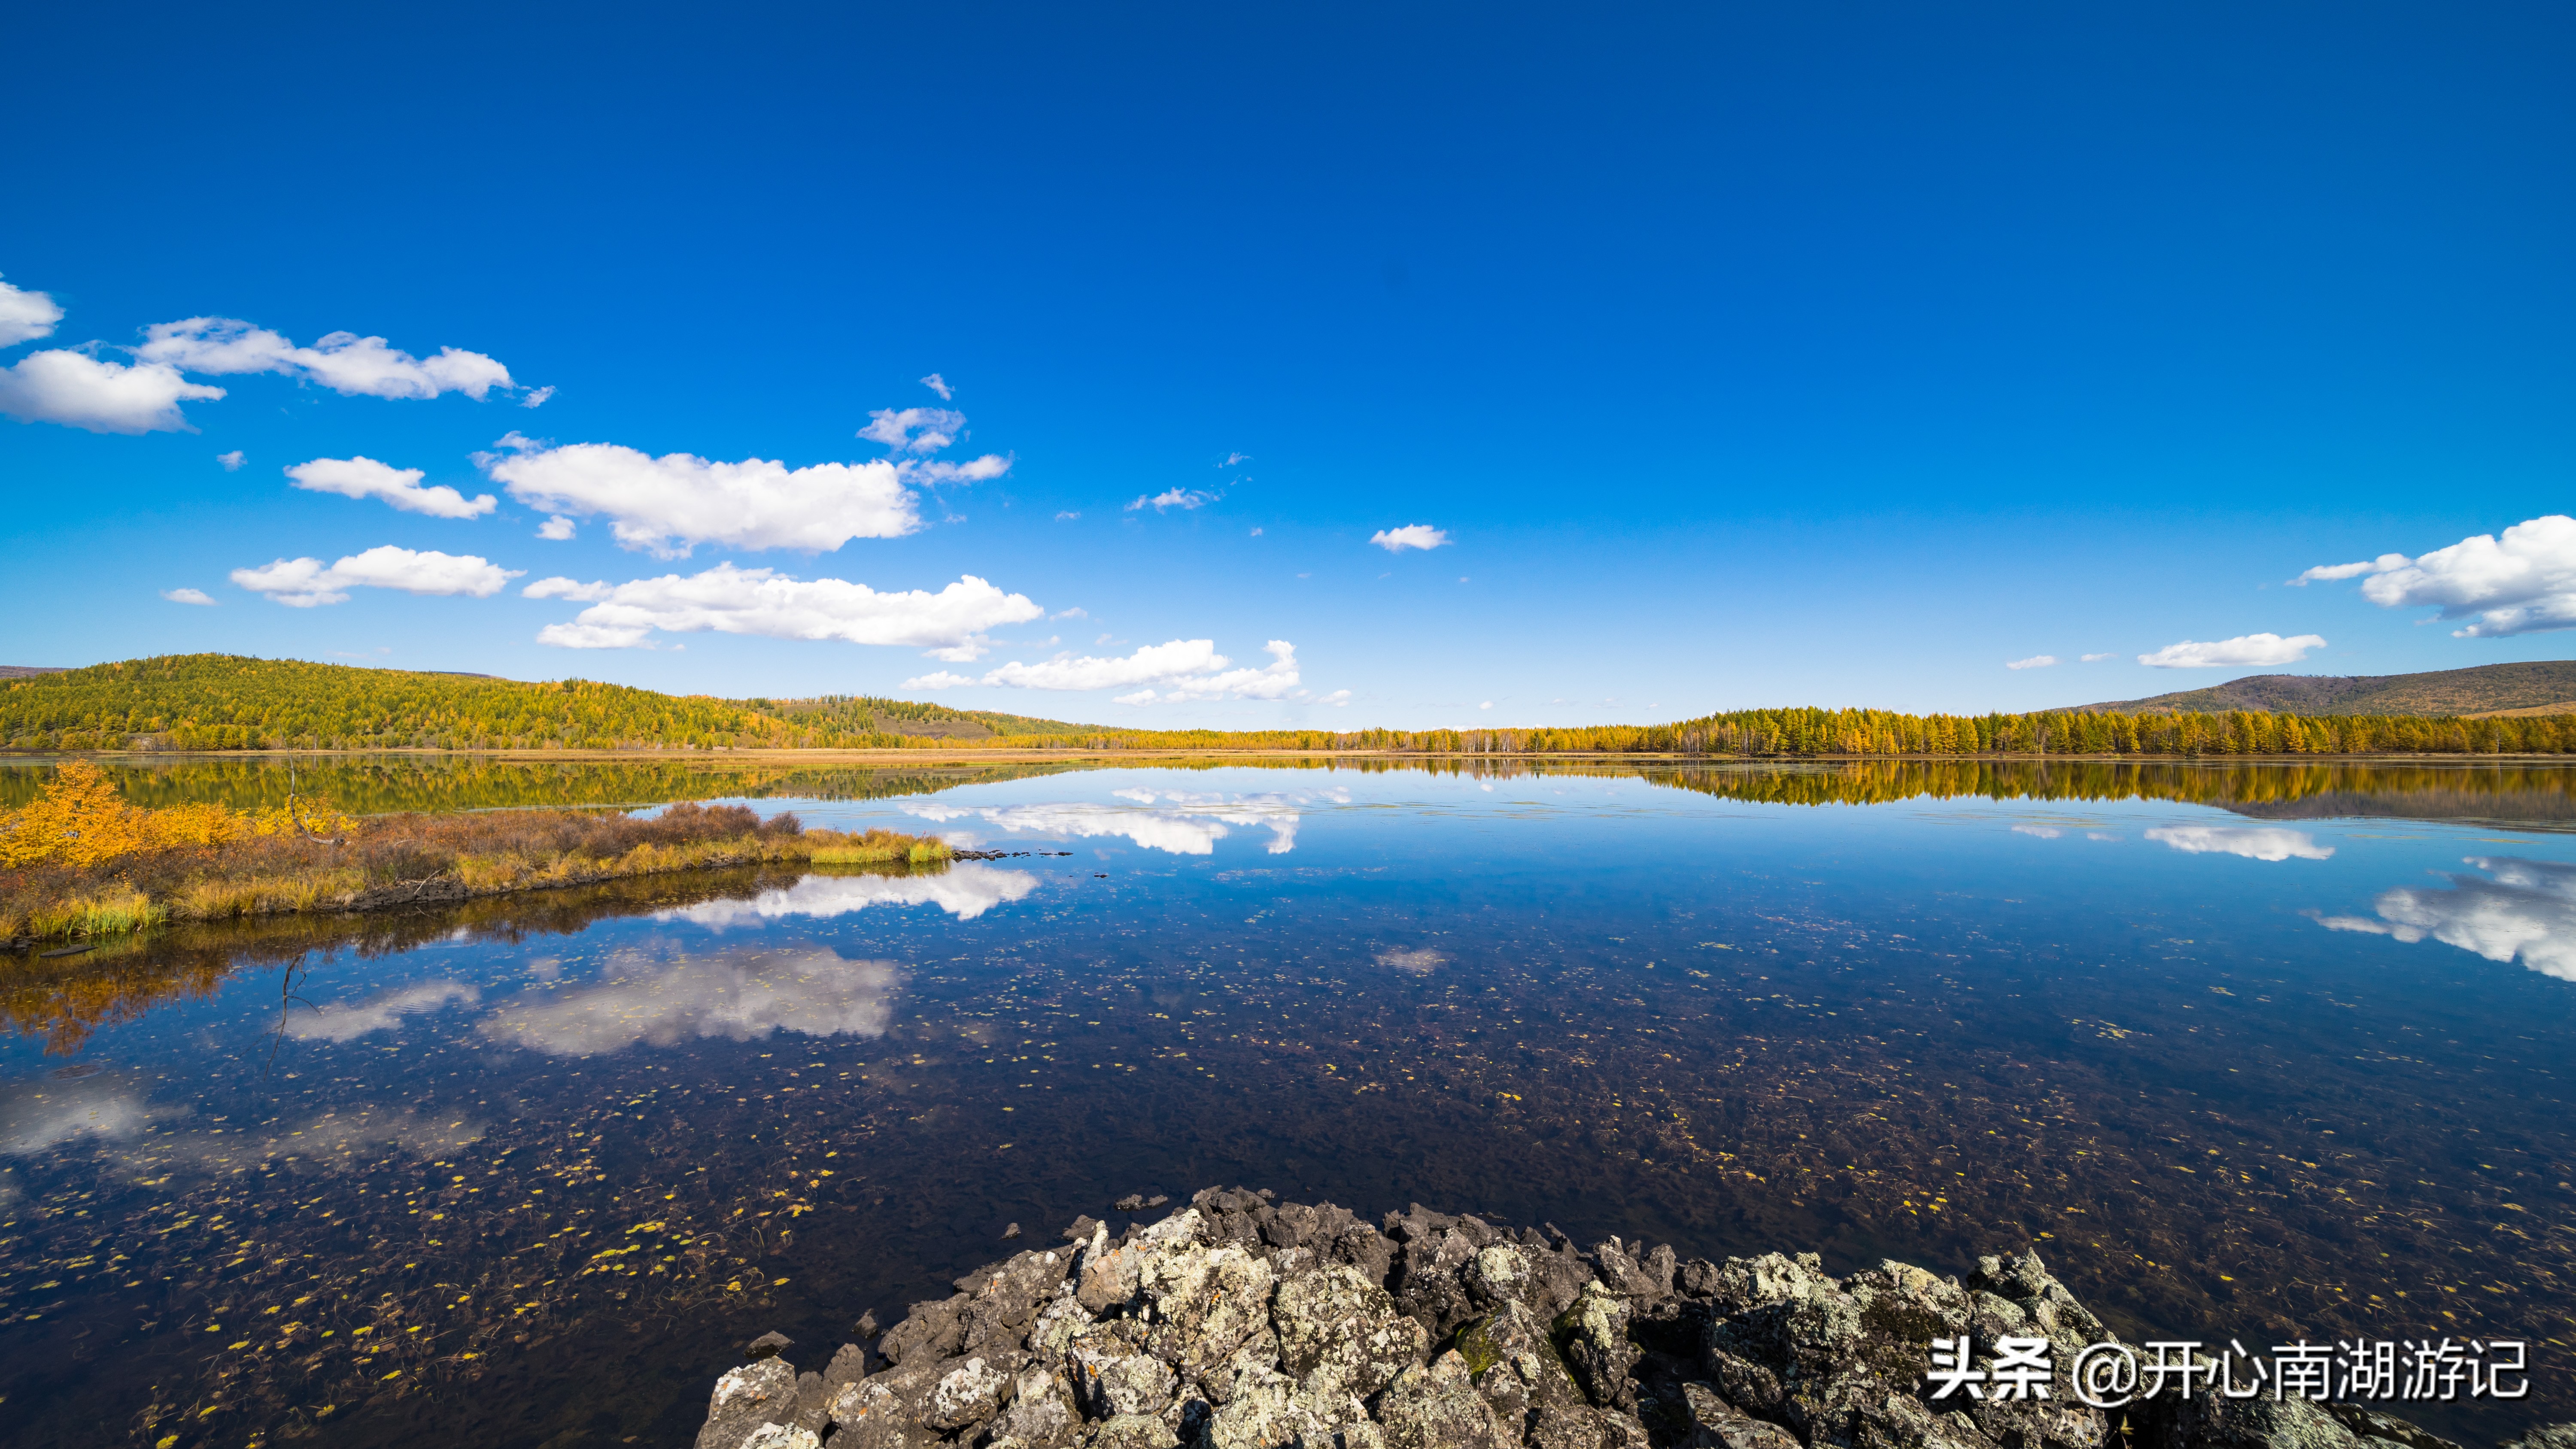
{"x": 80, "y": 863}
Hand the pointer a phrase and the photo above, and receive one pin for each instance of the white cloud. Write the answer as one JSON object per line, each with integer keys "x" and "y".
{"x": 939, "y": 385}
{"x": 1076, "y": 612}
{"x": 1337, "y": 697}
{"x": 189, "y": 596}
{"x": 1149, "y": 664}
{"x": 1171, "y": 498}
{"x": 2527, "y": 910}
{"x": 1067, "y": 516}
{"x": 2036, "y": 661}
{"x": 2263, "y": 842}
{"x": 2521, "y": 583}
{"x": 2044, "y": 832}
{"x": 730, "y": 600}
{"x": 564, "y": 588}
{"x": 1256, "y": 533}
{"x": 913, "y": 430}
{"x": 537, "y": 398}
{"x": 1186, "y": 669}
{"x": 364, "y": 477}
{"x": 302, "y": 583}
{"x": 348, "y": 1021}
{"x": 1178, "y": 822}
{"x": 2244, "y": 649}
{"x": 556, "y": 529}
{"x": 26, "y": 316}
{"x": 672, "y": 503}
{"x": 1412, "y": 535}
{"x": 739, "y": 997}
{"x": 965, "y": 890}
{"x": 344, "y": 362}
{"x": 1232, "y": 459}
{"x": 2098, "y": 658}
{"x": 79, "y": 391}
{"x": 940, "y": 679}
{"x": 232, "y": 461}
{"x": 1488, "y": 704}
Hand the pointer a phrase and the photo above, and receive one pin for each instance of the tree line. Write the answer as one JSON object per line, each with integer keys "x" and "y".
{"x": 202, "y": 702}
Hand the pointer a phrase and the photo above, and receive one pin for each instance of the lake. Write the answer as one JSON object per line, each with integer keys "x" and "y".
{"x": 2247, "y": 1051}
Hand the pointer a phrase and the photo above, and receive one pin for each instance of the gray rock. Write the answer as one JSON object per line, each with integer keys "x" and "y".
{"x": 883, "y": 1411}
{"x": 747, "y": 1400}
{"x": 1205, "y": 1302}
{"x": 1114, "y": 1375}
{"x": 813, "y": 1402}
{"x": 930, "y": 1330}
{"x": 2553, "y": 1436}
{"x": 1516, "y": 1368}
{"x": 768, "y": 1345}
{"x": 1429, "y": 1280}
{"x": 847, "y": 1367}
{"x": 1437, "y": 1407}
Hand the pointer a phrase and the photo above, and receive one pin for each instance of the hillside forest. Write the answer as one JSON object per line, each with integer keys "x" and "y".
{"x": 210, "y": 702}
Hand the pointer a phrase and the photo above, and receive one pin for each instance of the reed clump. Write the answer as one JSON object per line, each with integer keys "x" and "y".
{"x": 80, "y": 862}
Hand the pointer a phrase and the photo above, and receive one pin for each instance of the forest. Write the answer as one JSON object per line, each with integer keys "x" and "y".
{"x": 211, "y": 702}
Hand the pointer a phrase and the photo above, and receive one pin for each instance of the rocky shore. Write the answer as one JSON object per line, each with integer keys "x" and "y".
{"x": 1239, "y": 1322}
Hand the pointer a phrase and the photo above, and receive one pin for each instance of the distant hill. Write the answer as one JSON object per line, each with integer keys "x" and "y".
{"x": 29, "y": 671}
{"x": 2489, "y": 689}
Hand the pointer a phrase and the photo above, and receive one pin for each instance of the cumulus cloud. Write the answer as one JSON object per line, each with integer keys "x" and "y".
{"x": 26, "y": 316}
{"x": 2521, "y": 583}
{"x": 348, "y": 1021}
{"x": 2526, "y": 910}
{"x": 344, "y": 362}
{"x": 939, "y": 385}
{"x": 1337, "y": 697}
{"x": 1412, "y": 535}
{"x": 232, "y": 461}
{"x": 537, "y": 397}
{"x": 556, "y": 529}
{"x": 188, "y": 596}
{"x": 670, "y": 504}
{"x": 302, "y": 583}
{"x": 364, "y": 477}
{"x": 2244, "y": 649}
{"x": 2098, "y": 658}
{"x": 913, "y": 430}
{"x": 939, "y": 679}
{"x": 1181, "y": 669}
{"x": 2036, "y": 661}
{"x": 729, "y": 600}
{"x": 2263, "y": 842}
{"x": 80, "y": 391}
{"x": 1171, "y": 498}
{"x": 739, "y": 996}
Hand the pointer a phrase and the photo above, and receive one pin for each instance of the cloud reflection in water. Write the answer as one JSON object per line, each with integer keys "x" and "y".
{"x": 35, "y": 1115}
{"x": 740, "y": 996}
{"x": 1180, "y": 822}
{"x": 2528, "y": 910}
{"x": 348, "y": 1021}
{"x": 965, "y": 890}
{"x": 2254, "y": 842}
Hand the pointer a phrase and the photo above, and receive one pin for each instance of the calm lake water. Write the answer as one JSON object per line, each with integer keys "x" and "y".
{"x": 2246, "y": 1051}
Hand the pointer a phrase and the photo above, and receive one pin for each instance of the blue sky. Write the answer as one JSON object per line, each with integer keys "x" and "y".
{"x": 1740, "y": 355}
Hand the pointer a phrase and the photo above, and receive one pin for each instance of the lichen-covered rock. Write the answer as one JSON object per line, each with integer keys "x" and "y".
{"x": 1339, "y": 1333}
{"x": 1717, "y": 1424}
{"x": 758, "y": 1395}
{"x": 1113, "y": 1373}
{"x": 1241, "y": 1323}
{"x": 1514, "y": 1365}
{"x": 1205, "y": 1301}
{"x": 1130, "y": 1431}
{"x": 1592, "y": 1335}
{"x": 1437, "y": 1407}
{"x": 969, "y": 1390}
{"x": 2553, "y": 1436}
{"x": 1041, "y": 1415}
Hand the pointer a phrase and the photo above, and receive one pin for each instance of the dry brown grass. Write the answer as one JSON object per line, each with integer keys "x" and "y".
{"x": 390, "y": 859}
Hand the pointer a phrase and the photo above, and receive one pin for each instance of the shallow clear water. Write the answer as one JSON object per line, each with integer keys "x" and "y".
{"x": 531, "y": 1171}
